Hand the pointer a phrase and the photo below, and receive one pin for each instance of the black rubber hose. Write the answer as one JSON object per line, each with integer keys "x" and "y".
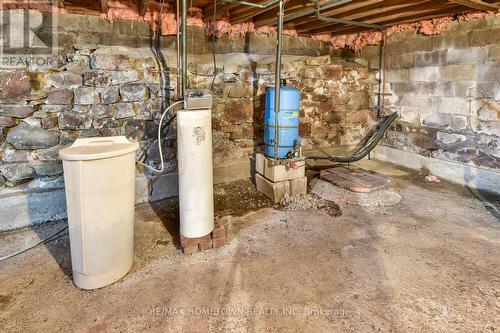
{"x": 371, "y": 143}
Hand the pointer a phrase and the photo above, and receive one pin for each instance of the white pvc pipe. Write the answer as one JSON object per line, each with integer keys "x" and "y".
{"x": 194, "y": 158}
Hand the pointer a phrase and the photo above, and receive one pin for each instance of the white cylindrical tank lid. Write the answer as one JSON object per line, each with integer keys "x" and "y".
{"x": 86, "y": 149}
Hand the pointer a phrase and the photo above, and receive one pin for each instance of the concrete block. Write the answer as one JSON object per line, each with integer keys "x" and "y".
{"x": 424, "y": 104}
{"x": 489, "y": 72}
{"x": 470, "y": 55}
{"x": 494, "y": 53}
{"x": 454, "y": 105}
{"x": 402, "y": 88}
{"x": 278, "y": 173}
{"x": 456, "y": 40}
{"x": 417, "y": 43}
{"x": 482, "y": 37}
{"x": 298, "y": 186}
{"x": 277, "y": 190}
{"x": 437, "y": 57}
{"x": 397, "y": 75}
{"x": 403, "y": 60}
{"x": 274, "y": 191}
{"x": 463, "y": 72}
{"x": 424, "y": 74}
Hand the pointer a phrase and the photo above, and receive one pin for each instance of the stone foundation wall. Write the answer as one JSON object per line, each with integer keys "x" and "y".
{"x": 446, "y": 89}
{"x": 101, "y": 90}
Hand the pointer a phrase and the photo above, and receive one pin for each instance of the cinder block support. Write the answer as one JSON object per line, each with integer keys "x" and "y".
{"x": 277, "y": 190}
{"x": 280, "y": 172}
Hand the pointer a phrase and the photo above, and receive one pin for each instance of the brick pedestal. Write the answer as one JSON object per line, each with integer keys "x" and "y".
{"x": 215, "y": 239}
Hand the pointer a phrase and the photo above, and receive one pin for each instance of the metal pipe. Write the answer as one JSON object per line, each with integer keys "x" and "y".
{"x": 277, "y": 80}
{"x": 309, "y": 11}
{"x": 342, "y": 21}
{"x": 381, "y": 72}
{"x": 384, "y": 70}
{"x": 184, "y": 51}
{"x": 178, "y": 42}
{"x": 251, "y": 4}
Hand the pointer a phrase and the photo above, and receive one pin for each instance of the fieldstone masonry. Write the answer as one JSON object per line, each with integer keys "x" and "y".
{"x": 446, "y": 89}
{"x": 99, "y": 90}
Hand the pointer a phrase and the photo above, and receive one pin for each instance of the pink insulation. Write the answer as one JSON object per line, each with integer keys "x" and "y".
{"x": 428, "y": 27}
{"x": 435, "y": 26}
{"x": 475, "y": 15}
{"x": 223, "y": 26}
{"x": 195, "y": 17}
{"x": 129, "y": 10}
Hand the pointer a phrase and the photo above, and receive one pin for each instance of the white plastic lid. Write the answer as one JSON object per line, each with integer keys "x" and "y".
{"x": 98, "y": 148}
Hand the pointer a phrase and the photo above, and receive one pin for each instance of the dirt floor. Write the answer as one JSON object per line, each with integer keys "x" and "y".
{"x": 428, "y": 264}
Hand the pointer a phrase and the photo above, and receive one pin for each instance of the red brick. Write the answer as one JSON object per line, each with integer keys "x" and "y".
{"x": 219, "y": 232}
{"x": 205, "y": 242}
{"x": 189, "y": 242}
{"x": 190, "y": 249}
{"x": 224, "y": 212}
{"x": 219, "y": 242}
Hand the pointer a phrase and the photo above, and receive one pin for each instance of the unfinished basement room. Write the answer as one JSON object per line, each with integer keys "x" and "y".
{"x": 250, "y": 166}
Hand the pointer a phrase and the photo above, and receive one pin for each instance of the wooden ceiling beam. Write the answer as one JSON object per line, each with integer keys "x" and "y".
{"x": 477, "y": 4}
{"x": 378, "y": 11}
{"x": 393, "y": 18}
{"x": 345, "y": 30}
{"x": 291, "y": 7}
{"x": 208, "y": 10}
{"x": 104, "y": 6}
{"x": 143, "y": 7}
{"x": 339, "y": 12}
{"x": 246, "y": 13}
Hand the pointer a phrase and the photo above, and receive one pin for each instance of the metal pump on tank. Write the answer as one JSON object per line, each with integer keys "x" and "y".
{"x": 194, "y": 158}
{"x": 288, "y": 121}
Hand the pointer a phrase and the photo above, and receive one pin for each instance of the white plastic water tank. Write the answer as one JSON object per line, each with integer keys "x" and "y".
{"x": 194, "y": 157}
{"x": 99, "y": 176}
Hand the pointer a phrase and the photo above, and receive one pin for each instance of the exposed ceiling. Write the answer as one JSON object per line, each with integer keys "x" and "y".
{"x": 300, "y": 15}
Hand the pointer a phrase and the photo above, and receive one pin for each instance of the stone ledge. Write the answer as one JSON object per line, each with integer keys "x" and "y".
{"x": 20, "y": 209}
{"x": 463, "y": 174}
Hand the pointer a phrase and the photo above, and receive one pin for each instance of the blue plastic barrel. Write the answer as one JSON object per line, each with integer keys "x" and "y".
{"x": 288, "y": 120}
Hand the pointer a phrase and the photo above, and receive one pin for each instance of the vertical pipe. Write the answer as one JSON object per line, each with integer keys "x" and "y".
{"x": 381, "y": 73}
{"x": 178, "y": 41}
{"x": 184, "y": 51}
{"x": 277, "y": 80}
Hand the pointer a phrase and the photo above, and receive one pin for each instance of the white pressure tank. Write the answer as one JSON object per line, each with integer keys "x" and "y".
{"x": 194, "y": 157}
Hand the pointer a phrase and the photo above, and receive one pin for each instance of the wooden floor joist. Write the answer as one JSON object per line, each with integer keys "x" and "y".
{"x": 477, "y": 4}
{"x": 301, "y": 15}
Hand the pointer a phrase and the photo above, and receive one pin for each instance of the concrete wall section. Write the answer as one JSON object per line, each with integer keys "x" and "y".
{"x": 446, "y": 89}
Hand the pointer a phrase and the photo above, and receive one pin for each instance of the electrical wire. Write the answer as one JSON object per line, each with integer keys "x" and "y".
{"x": 214, "y": 18}
{"x": 55, "y": 236}
{"x": 159, "y": 141}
